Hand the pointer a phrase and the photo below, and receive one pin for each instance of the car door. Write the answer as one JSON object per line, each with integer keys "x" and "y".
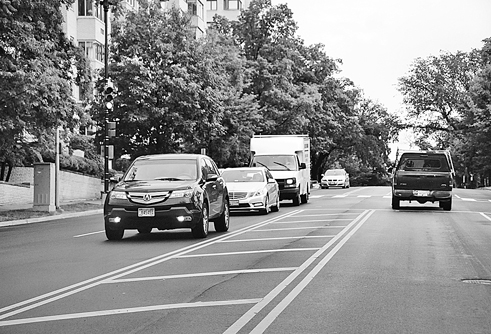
{"x": 215, "y": 187}
{"x": 273, "y": 189}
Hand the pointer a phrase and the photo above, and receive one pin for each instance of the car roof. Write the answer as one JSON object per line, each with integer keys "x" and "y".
{"x": 169, "y": 156}
{"x": 246, "y": 168}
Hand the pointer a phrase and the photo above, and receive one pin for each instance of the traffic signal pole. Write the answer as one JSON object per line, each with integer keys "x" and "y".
{"x": 105, "y": 4}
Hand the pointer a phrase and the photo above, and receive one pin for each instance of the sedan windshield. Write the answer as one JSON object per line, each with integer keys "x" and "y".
{"x": 243, "y": 176}
{"x": 165, "y": 170}
{"x": 334, "y": 172}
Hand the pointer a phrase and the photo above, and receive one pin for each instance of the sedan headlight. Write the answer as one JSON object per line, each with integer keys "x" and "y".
{"x": 260, "y": 192}
{"x": 187, "y": 193}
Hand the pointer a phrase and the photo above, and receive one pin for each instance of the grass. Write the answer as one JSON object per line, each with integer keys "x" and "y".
{"x": 30, "y": 213}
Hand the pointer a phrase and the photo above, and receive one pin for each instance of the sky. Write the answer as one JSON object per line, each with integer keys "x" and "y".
{"x": 378, "y": 40}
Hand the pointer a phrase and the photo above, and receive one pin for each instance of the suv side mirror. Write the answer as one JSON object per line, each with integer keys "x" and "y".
{"x": 302, "y": 165}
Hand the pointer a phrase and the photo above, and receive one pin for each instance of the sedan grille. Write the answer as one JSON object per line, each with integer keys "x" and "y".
{"x": 237, "y": 194}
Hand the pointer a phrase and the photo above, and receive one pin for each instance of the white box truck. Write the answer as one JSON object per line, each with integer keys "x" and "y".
{"x": 288, "y": 159}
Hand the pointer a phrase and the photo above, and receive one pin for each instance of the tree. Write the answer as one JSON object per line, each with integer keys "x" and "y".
{"x": 36, "y": 74}
{"x": 175, "y": 93}
{"x": 436, "y": 90}
{"x": 447, "y": 99}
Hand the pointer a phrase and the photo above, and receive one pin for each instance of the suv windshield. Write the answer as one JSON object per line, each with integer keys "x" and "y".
{"x": 167, "y": 170}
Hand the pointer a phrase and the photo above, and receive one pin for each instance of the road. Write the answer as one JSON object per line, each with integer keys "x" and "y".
{"x": 343, "y": 263}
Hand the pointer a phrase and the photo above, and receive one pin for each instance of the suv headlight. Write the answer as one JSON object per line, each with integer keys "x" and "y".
{"x": 187, "y": 193}
{"x": 117, "y": 195}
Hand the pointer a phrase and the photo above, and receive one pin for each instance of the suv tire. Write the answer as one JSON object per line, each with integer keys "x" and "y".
{"x": 201, "y": 229}
{"x": 114, "y": 234}
{"x": 396, "y": 203}
{"x": 223, "y": 222}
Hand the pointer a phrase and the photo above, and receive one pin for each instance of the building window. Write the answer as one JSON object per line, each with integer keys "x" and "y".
{"x": 85, "y": 46}
{"x": 232, "y": 4}
{"x": 192, "y": 8}
{"x": 197, "y": 9}
{"x": 99, "y": 52}
{"x": 212, "y": 4}
{"x": 87, "y": 8}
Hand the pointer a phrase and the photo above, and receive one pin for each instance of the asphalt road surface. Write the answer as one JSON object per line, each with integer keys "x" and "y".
{"x": 343, "y": 263}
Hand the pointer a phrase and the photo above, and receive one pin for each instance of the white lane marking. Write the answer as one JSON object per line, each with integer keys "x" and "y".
{"x": 316, "y": 196}
{"x": 216, "y": 273}
{"x": 295, "y": 228}
{"x": 329, "y": 214}
{"x": 86, "y": 234}
{"x": 457, "y": 196}
{"x": 469, "y": 199}
{"x": 279, "y": 238}
{"x": 249, "y": 252}
{"x": 310, "y": 221}
{"x": 126, "y": 311}
{"x": 93, "y": 282}
{"x": 388, "y": 196}
{"x": 340, "y": 196}
{"x": 364, "y": 196}
{"x": 485, "y": 216}
{"x": 253, "y": 311}
{"x": 282, "y": 305}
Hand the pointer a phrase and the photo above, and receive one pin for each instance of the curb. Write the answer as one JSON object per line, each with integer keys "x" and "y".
{"x": 49, "y": 218}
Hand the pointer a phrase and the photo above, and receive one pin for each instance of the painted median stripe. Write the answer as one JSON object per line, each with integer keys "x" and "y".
{"x": 249, "y": 315}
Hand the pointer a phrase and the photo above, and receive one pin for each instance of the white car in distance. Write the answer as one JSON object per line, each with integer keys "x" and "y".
{"x": 335, "y": 178}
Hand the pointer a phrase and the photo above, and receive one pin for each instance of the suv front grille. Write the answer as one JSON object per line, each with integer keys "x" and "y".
{"x": 148, "y": 198}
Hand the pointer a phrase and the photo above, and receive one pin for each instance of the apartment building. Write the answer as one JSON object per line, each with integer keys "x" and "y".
{"x": 227, "y": 8}
{"x": 84, "y": 22}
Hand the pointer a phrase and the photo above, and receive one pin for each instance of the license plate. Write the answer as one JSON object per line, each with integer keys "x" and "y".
{"x": 234, "y": 202}
{"x": 421, "y": 193}
{"x": 146, "y": 212}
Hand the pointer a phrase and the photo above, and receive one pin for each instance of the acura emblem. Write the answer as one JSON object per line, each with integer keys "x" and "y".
{"x": 147, "y": 197}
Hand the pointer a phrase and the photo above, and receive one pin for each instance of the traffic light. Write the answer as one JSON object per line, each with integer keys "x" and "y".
{"x": 111, "y": 129}
{"x": 109, "y": 93}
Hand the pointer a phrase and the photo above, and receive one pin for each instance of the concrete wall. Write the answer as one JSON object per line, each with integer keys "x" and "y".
{"x": 73, "y": 186}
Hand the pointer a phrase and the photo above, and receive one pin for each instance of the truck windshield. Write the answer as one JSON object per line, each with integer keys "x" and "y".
{"x": 276, "y": 162}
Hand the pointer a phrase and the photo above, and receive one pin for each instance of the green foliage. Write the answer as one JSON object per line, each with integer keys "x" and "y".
{"x": 36, "y": 72}
{"x": 449, "y": 105}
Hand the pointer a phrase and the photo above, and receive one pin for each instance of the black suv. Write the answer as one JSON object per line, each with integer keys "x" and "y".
{"x": 168, "y": 191}
{"x": 423, "y": 176}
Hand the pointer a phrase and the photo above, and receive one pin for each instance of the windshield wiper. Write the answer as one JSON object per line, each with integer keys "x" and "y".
{"x": 279, "y": 163}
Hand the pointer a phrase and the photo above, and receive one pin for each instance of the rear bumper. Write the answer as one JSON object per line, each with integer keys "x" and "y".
{"x": 432, "y": 196}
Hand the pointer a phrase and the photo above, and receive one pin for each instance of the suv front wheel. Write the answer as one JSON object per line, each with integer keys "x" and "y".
{"x": 201, "y": 229}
